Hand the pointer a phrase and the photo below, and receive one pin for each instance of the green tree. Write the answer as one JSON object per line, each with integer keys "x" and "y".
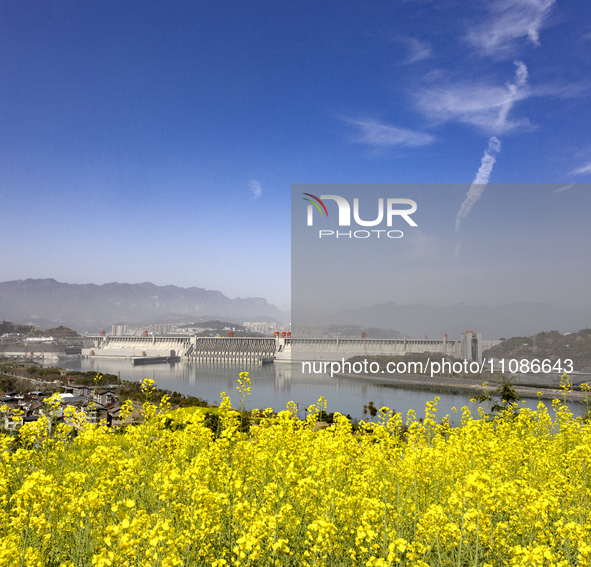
{"x": 504, "y": 397}
{"x": 371, "y": 408}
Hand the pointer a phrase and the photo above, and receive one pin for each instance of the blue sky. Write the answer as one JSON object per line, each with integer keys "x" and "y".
{"x": 158, "y": 141}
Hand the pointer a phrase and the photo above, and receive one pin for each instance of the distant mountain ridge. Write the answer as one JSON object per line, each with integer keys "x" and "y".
{"x": 494, "y": 322}
{"x": 89, "y": 307}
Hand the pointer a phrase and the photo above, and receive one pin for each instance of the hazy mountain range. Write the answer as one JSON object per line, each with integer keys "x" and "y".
{"x": 89, "y": 307}
{"x": 494, "y": 322}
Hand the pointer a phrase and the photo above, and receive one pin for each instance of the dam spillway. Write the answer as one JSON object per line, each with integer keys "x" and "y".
{"x": 233, "y": 349}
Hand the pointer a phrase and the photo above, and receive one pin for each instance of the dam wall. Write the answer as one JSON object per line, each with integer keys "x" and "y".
{"x": 469, "y": 347}
{"x": 296, "y": 350}
{"x": 131, "y": 347}
{"x": 283, "y": 349}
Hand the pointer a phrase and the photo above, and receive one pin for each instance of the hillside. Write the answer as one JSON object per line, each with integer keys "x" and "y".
{"x": 552, "y": 345}
{"x": 6, "y": 328}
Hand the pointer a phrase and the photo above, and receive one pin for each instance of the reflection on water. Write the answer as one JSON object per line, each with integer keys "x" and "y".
{"x": 273, "y": 385}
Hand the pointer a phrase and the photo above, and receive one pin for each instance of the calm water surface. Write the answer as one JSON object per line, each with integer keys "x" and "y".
{"x": 273, "y": 385}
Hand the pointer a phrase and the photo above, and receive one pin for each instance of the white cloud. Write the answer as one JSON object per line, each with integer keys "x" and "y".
{"x": 513, "y": 92}
{"x": 479, "y": 104}
{"x": 564, "y": 188}
{"x": 508, "y": 21}
{"x": 480, "y": 181}
{"x": 418, "y": 49}
{"x": 584, "y": 169}
{"x": 375, "y": 133}
{"x": 256, "y": 188}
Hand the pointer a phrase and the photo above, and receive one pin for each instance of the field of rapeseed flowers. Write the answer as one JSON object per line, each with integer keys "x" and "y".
{"x": 513, "y": 490}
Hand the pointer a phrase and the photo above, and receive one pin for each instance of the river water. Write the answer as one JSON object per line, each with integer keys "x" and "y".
{"x": 273, "y": 385}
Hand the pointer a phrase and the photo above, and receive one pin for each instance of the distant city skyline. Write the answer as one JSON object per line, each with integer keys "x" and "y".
{"x": 158, "y": 142}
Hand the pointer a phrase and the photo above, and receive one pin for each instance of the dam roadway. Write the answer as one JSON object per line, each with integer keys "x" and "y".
{"x": 281, "y": 348}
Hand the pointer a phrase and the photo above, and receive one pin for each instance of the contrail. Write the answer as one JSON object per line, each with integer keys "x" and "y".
{"x": 480, "y": 181}
{"x": 494, "y": 146}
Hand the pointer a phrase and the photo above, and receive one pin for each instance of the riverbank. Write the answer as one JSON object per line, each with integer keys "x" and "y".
{"x": 457, "y": 385}
{"x": 274, "y": 385}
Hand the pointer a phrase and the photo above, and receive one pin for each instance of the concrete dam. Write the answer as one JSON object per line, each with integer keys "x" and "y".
{"x": 282, "y": 348}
